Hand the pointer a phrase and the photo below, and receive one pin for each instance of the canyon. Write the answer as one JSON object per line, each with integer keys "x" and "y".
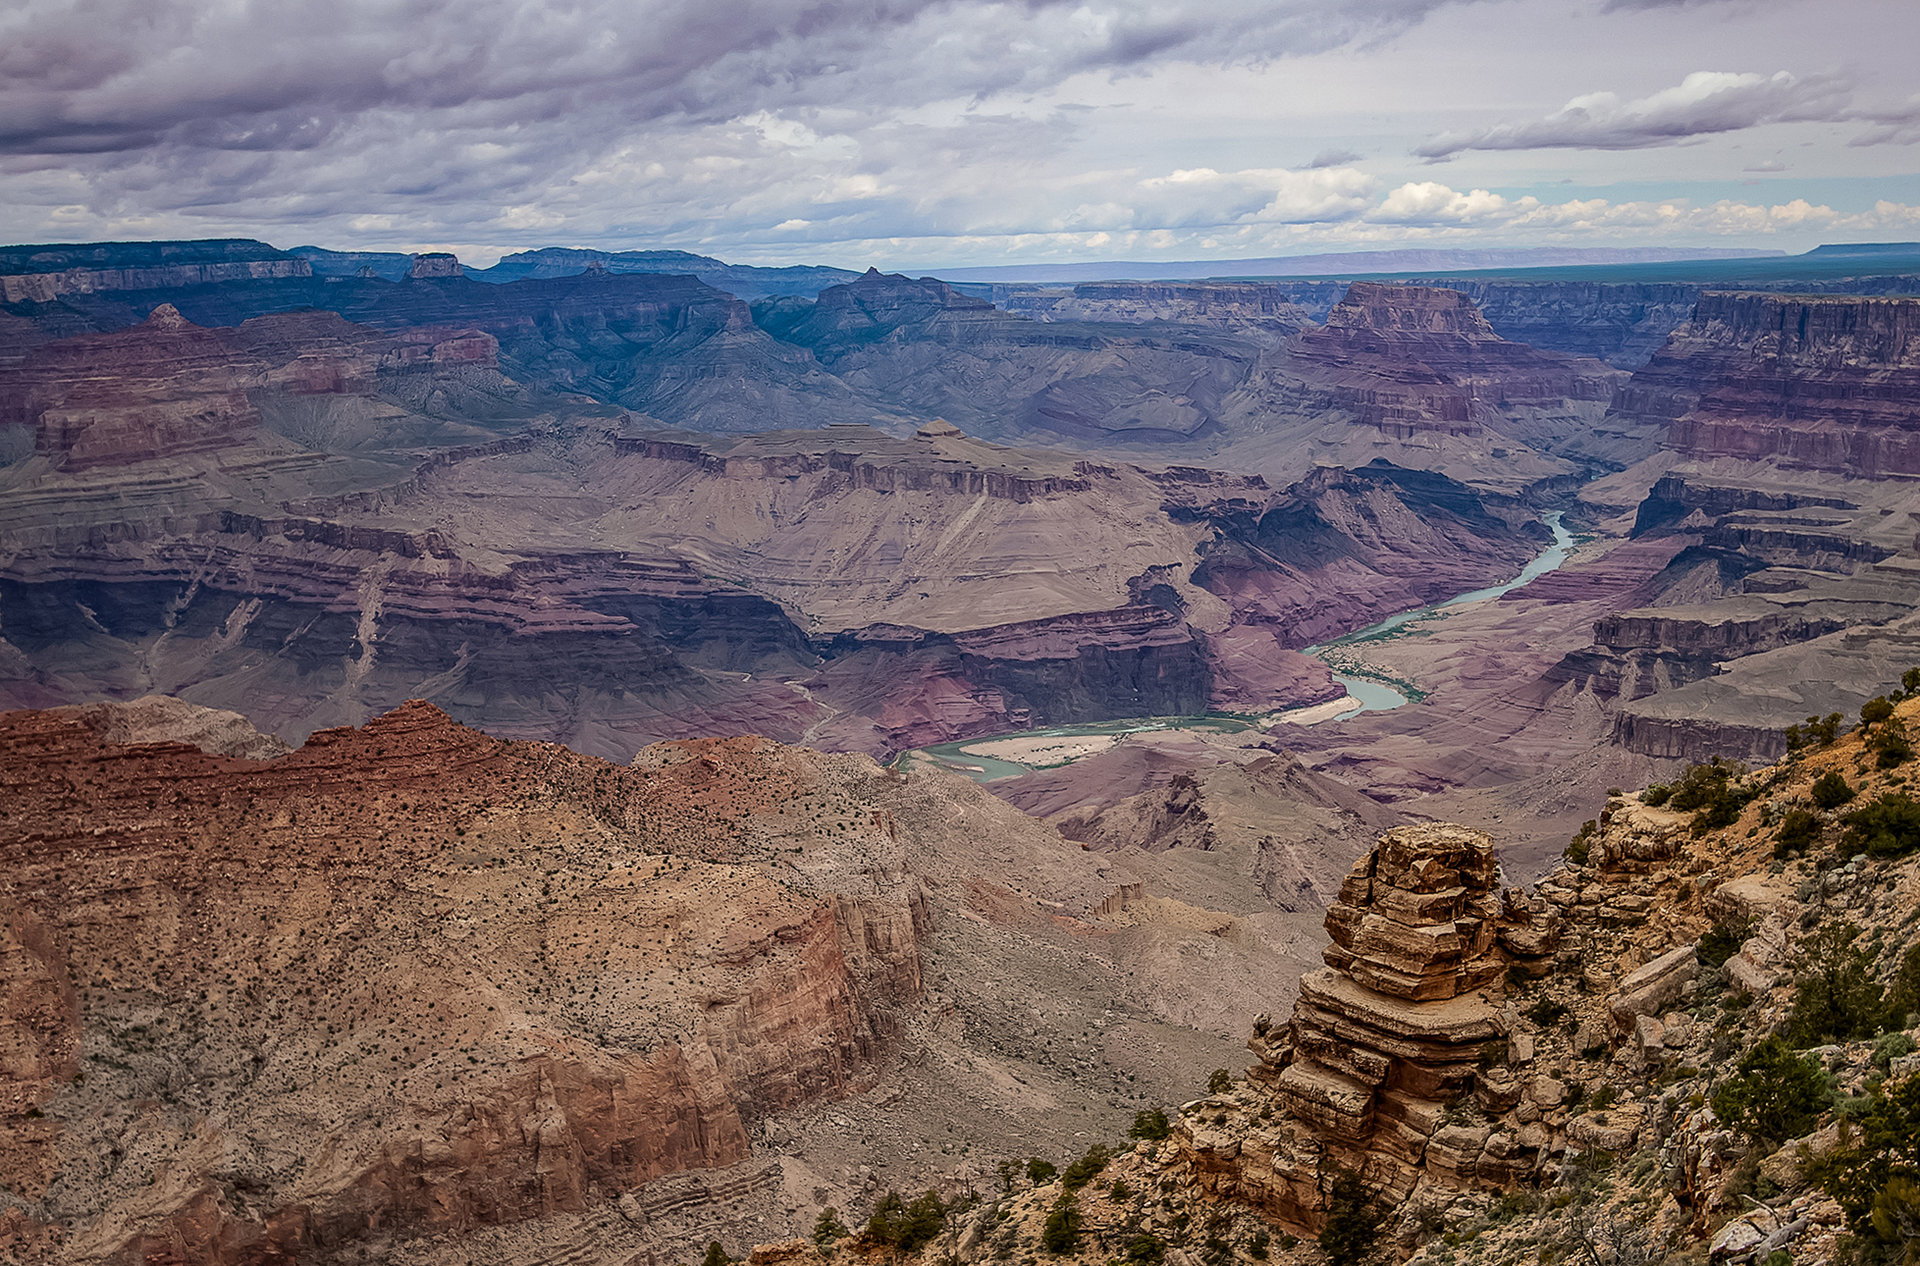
{"x": 503, "y": 692}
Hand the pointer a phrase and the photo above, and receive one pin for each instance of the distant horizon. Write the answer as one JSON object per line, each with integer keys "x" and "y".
{"x": 969, "y": 134}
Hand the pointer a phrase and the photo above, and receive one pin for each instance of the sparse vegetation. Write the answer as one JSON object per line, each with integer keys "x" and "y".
{"x": 1353, "y": 1223}
{"x": 1777, "y": 1093}
{"x": 1062, "y": 1226}
{"x": 1086, "y": 1169}
{"x": 1875, "y": 1174}
{"x": 1887, "y": 827}
{"x": 1830, "y": 790}
{"x": 1836, "y": 997}
{"x": 1219, "y": 1082}
{"x": 899, "y": 1225}
{"x": 1721, "y": 942}
{"x": 1150, "y": 1124}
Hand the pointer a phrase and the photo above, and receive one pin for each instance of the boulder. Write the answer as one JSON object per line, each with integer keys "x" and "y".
{"x": 1654, "y": 987}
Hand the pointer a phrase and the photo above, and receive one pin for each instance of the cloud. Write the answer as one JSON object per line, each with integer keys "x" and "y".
{"x": 1704, "y": 103}
{"x": 1333, "y": 158}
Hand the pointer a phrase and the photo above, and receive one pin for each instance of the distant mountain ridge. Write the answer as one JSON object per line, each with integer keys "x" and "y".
{"x": 1346, "y": 263}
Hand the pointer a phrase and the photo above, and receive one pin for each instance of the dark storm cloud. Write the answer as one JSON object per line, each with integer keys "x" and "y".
{"x": 674, "y": 113}
{"x": 1704, "y": 103}
{"x": 109, "y": 75}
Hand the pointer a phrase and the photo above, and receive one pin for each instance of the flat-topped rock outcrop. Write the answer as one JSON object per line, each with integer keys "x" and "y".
{"x": 1395, "y": 1031}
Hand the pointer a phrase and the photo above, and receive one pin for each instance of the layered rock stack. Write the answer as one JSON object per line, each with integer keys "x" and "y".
{"x": 1402, "y": 1027}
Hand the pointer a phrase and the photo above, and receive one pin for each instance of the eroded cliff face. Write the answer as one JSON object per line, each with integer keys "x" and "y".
{"x": 608, "y": 583}
{"x": 1828, "y": 383}
{"x": 1786, "y": 422}
{"x": 480, "y": 982}
{"x": 167, "y": 387}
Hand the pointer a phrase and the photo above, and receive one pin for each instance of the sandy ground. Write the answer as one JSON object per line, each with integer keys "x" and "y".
{"x": 1313, "y": 714}
{"x": 1043, "y": 750}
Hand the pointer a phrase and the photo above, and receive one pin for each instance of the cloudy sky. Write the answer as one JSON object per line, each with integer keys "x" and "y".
{"x": 908, "y": 133}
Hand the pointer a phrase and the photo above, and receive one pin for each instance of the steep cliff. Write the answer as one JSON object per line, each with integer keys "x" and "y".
{"x": 1829, "y": 383}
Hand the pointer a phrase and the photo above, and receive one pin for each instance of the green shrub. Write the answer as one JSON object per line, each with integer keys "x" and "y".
{"x": 1119, "y": 1193}
{"x": 1836, "y": 997}
{"x": 1903, "y": 991}
{"x": 1776, "y": 1095}
{"x": 1146, "y": 1250}
{"x": 716, "y": 1256}
{"x": 1888, "y": 827}
{"x": 1219, "y": 1082}
{"x": 1257, "y": 1246}
{"x": 1799, "y": 829}
{"x": 1086, "y": 1169}
{"x": 1875, "y": 710}
{"x": 1872, "y": 1175}
{"x": 1830, "y": 790}
{"x": 906, "y": 1227}
{"x": 1545, "y": 1012}
{"x": 1039, "y": 1171}
{"x": 1151, "y": 1125}
{"x": 1890, "y": 1048}
{"x": 1580, "y": 847}
{"x": 828, "y": 1227}
{"x": 1890, "y": 744}
{"x": 1062, "y": 1226}
{"x": 1656, "y": 795}
{"x": 1721, "y": 942}
{"x": 1353, "y": 1223}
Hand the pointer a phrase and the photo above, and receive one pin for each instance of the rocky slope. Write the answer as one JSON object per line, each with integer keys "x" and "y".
{"x": 1575, "y": 1071}
{"x": 411, "y": 992}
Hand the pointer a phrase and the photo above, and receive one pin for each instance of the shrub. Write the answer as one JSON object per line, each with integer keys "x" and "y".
{"x": 1872, "y": 1174}
{"x": 1086, "y": 1169}
{"x": 1257, "y": 1246}
{"x": 1903, "y": 991}
{"x": 828, "y": 1227}
{"x": 1039, "y": 1171}
{"x": 1545, "y": 1012}
{"x": 1352, "y": 1224}
{"x": 1656, "y": 795}
{"x": 1830, "y": 790}
{"x": 1888, "y": 827}
{"x": 1799, "y": 829}
{"x": 1146, "y": 1250}
{"x": 1836, "y": 997}
{"x": 1890, "y": 1048}
{"x": 1776, "y": 1095}
{"x": 1721, "y": 942}
{"x": 906, "y": 1227}
{"x": 1062, "y": 1226}
{"x": 716, "y": 1256}
{"x": 1151, "y": 1125}
{"x": 1580, "y": 847}
{"x": 1120, "y": 1193}
{"x": 1219, "y": 1082}
{"x": 1875, "y": 710}
{"x": 1890, "y": 744}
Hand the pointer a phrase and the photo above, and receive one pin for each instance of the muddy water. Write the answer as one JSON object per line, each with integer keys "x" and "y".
{"x": 1367, "y": 692}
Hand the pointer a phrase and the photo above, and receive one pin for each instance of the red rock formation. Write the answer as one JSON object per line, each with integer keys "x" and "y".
{"x": 1408, "y": 359}
{"x": 1823, "y": 382}
{"x": 168, "y": 387}
{"x": 482, "y": 982}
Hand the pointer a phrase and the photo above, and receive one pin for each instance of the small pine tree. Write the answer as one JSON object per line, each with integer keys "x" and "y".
{"x": 828, "y": 1227}
{"x": 1353, "y": 1224}
{"x": 1776, "y": 1095}
{"x": 1875, "y": 710}
{"x": 716, "y": 1256}
{"x": 1062, "y": 1226}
